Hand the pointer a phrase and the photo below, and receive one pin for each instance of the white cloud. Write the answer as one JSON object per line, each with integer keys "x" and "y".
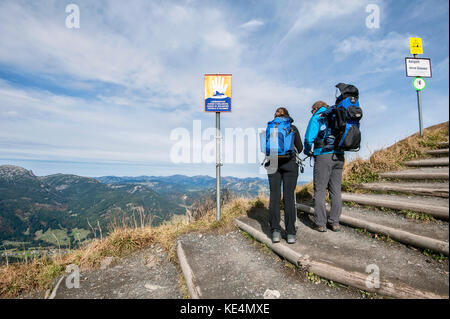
{"x": 252, "y": 25}
{"x": 392, "y": 46}
{"x": 322, "y": 12}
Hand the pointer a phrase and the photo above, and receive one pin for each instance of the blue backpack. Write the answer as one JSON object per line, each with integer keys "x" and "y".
{"x": 343, "y": 132}
{"x": 349, "y": 135}
{"x": 279, "y": 137}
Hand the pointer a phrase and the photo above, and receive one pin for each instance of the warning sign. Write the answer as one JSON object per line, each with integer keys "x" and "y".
{"x": 218, "y": 92}
{"x": 415, "y": 45}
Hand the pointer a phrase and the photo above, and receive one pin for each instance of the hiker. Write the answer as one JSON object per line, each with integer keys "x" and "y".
{"x": 328, "y": 165}
{"x": 282, "y": 167}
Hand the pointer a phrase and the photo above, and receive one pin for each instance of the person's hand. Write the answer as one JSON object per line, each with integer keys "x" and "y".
{"x": 219, "y": 87}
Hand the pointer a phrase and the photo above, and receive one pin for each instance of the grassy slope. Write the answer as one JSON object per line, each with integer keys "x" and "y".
{"x": 39, "y": 274}
{"x": 384, "y": 160}
{"x": 393, "y": 157}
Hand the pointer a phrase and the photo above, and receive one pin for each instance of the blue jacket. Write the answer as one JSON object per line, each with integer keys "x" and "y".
{"x": 316, "y": 125}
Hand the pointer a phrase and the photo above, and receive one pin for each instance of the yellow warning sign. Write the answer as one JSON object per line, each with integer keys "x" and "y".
{"x": 415, "y": 45}
{"x": 218, "y": 92}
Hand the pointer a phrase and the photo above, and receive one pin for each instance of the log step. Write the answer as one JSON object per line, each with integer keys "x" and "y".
{"x": 443, "y": 144}
{"x": 443, "y": 161}
{"x": 418, "y": 174}
{"x": 427, "y": 189}
{"x": 432, "y": 236}
{"x": 436, "y": 207}
{"x": 438, "y": 152}
{"x": 347, "y": 257}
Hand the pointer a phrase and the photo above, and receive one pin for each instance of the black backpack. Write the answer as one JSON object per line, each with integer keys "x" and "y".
{"x": 343, "y": 120}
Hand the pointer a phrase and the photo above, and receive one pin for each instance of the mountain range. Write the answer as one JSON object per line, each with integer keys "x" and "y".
{"x": 63, "y": 209}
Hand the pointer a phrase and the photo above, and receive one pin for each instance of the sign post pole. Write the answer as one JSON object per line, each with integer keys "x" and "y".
{"x": 218, "y": 96}
{"x": 218, "y": 164}
{"x": 419, "y": 106}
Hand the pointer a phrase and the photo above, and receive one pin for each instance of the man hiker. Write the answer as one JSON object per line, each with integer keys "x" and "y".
{"x": 328, "y": 165}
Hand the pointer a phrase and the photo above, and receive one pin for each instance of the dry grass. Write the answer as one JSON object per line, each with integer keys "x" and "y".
{"x": 304, "y": 193}
{"x": 393, "y": 157}
{"x": 39, "y": 274}
{"x": 388, "y": 159}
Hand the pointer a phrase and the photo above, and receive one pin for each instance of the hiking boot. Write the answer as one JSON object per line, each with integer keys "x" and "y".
{"x": 276, "y": 236}
{"x": 291, "y": 239}
{"x": 334, "y": 227}
{"x": 320, "y": 229}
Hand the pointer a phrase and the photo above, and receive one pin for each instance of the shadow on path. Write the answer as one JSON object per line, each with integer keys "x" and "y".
{"x": 261, "y": 215}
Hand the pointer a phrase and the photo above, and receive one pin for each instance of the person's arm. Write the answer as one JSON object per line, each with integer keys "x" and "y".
{"x": 298, "y": 140}
{"x": 311, "y": 134}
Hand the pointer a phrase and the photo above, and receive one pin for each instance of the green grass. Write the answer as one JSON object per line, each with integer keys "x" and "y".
{"x": 418, "y": 216}
{"x": 381, "y": 237}
{"x": 368, "y": 295}
{"x": 320, "y": 280}
{"x": 80, "y": 234}
{"x": 439, "y": 257}
{"x": 424, "y": 217}
{"x": 56, "y": 237}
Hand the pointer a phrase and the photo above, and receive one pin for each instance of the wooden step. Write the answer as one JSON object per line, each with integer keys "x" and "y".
{"x": 418, "y": 174}
{"x": 427, "y": 189}
{"x": 436, "y": 207}
{"x": 429, "y": 162}
{"x": 348, "y": 257}
{"x": 438, "y": 152}
{"x": 443, "y": 144}
{"x": 427, "y": 236}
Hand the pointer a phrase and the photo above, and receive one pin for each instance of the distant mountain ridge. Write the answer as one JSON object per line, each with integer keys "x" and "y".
{"x": 31, "y": 205}
{"x": 35, "y": 208}
{"x": 249, "y": 186}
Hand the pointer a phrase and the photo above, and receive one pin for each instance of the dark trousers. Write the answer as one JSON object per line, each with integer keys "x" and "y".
{"x": 328, "y": 175}
{"x": 287, "y": 173}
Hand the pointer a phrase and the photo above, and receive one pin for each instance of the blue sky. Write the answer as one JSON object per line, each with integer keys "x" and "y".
{"x": 103, "y": 99}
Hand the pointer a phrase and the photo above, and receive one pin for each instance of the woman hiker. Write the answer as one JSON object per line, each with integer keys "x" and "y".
{"x": 283, "y": 169}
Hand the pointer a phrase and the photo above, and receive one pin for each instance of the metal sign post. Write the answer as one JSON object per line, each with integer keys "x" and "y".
{"x": 218, "y": 164}
{"x": 419, "y": 106}
{"x": 419, "y": 84}
{"x": 418, "y": 68}
{"x": 218, "y": 99}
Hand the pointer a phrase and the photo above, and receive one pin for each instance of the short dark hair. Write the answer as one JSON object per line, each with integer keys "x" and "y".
{"x": 281, "y": 112}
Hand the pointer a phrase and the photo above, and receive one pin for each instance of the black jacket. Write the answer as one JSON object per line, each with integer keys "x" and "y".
{"x": 298, "y": 140}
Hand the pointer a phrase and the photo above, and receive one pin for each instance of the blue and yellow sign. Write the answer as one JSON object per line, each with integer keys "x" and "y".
{"x": 218, "y": 92}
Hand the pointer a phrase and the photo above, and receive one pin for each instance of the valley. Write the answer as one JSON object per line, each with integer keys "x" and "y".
{"x": 50, "y": 214}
